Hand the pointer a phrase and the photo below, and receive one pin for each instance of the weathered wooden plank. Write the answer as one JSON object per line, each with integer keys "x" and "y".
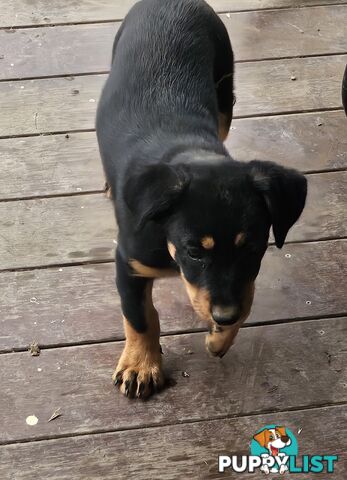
{"x": 176, "y": 452}
{"x": 267, "y": 87}
{"x": 325, "y": 208}
{"x": 38, "y": 12}
{"x": 65, "y": 230}
{"x": 76, "y": 49}
{"x": 301, "y": 364}
{"x": 53, "y": 105}
{"x": 56, "y": 230}
{"x": 308, "y": 142}
{"x": 77, "y": 304}
{"x": 68, "y": 50}
{"x": 80, "y": 304}
{"x": 237, "y": 5}
{"x": 52, "y": 165}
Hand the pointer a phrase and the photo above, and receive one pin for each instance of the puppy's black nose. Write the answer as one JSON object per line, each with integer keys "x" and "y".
{"x": 225, "y": 315}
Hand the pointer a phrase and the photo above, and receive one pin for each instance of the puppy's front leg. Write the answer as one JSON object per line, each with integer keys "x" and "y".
{"x": 139, "y": 372}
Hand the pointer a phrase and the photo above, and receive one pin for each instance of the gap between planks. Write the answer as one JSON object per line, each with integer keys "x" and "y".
{"x": 222, "y": 11}
{"x": 76, "y": 194}
{"x": 177, "y": 333}
{"x": 96, "y": 192}
{"x": 101, "y": 431}
{"x": 102, "y": 192}
{"x": 92, "y": 366}
{"x": 111, "y": 260}
{"x": 106, "y": 72}
{"x": 236, "y": 117}
{"x": 287, "y": 112}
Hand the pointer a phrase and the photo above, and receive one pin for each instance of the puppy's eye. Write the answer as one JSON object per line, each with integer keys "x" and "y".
{"x": 194, "y": 253}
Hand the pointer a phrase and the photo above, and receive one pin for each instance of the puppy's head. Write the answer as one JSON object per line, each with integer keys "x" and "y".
{"x": 217, "y": 215}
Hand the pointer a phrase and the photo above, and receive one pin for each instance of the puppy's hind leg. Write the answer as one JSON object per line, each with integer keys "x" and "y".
{"x": 224, "y": 78}
{"x": 225, "y": 104}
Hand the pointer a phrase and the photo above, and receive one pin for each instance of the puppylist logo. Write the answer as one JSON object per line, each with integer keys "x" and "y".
{"x": 274, "y": 449}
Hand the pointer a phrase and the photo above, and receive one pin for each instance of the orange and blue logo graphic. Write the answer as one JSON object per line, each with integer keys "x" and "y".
{"x": 274, "y": 444}
{"x": 274, "y": 449}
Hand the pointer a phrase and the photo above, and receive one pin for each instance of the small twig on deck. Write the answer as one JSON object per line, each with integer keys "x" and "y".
{"x": 55, "y": 415}
{"x": 298, "y": 28}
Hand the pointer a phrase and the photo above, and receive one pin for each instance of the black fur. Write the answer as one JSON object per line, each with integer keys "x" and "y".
{"x": 170, "y": 175}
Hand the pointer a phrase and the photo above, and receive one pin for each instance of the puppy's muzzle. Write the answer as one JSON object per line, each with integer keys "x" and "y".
{"x": 225, "y": 315}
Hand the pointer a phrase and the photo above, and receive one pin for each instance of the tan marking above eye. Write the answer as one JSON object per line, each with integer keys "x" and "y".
{"x": 207, "y": 242}
{"x": 240, "y": 239}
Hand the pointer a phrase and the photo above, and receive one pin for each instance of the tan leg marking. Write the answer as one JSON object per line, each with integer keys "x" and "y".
{"x": 220, "y": 339}
{"x": 141, "y": 270}
{"x": 224, "y": 123}
{"x": 139, "y": 372}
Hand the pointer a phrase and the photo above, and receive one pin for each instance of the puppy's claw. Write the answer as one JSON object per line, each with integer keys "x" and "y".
{"x": 141, "y": 389}
{"x": 117, "y": 378}
{"x": 139, "y": 383}
{"x": 127, "y": 387}
{"x": 132, "y": 385}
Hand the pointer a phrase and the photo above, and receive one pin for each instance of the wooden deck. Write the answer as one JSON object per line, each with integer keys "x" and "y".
{"x": 57, "y": 241}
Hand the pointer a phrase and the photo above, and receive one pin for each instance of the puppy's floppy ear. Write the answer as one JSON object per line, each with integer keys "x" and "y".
{"x": 260, "y": 438}
{"x": 284, "y": 191}
{"x": 152, "y": 190}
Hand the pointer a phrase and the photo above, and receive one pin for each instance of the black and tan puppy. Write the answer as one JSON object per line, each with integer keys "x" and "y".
{"x": 183, "y": 205}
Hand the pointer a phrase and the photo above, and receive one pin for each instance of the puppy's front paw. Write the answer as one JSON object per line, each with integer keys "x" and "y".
{"x": 139, "y": 374}
{"x": 220, "y": 339}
